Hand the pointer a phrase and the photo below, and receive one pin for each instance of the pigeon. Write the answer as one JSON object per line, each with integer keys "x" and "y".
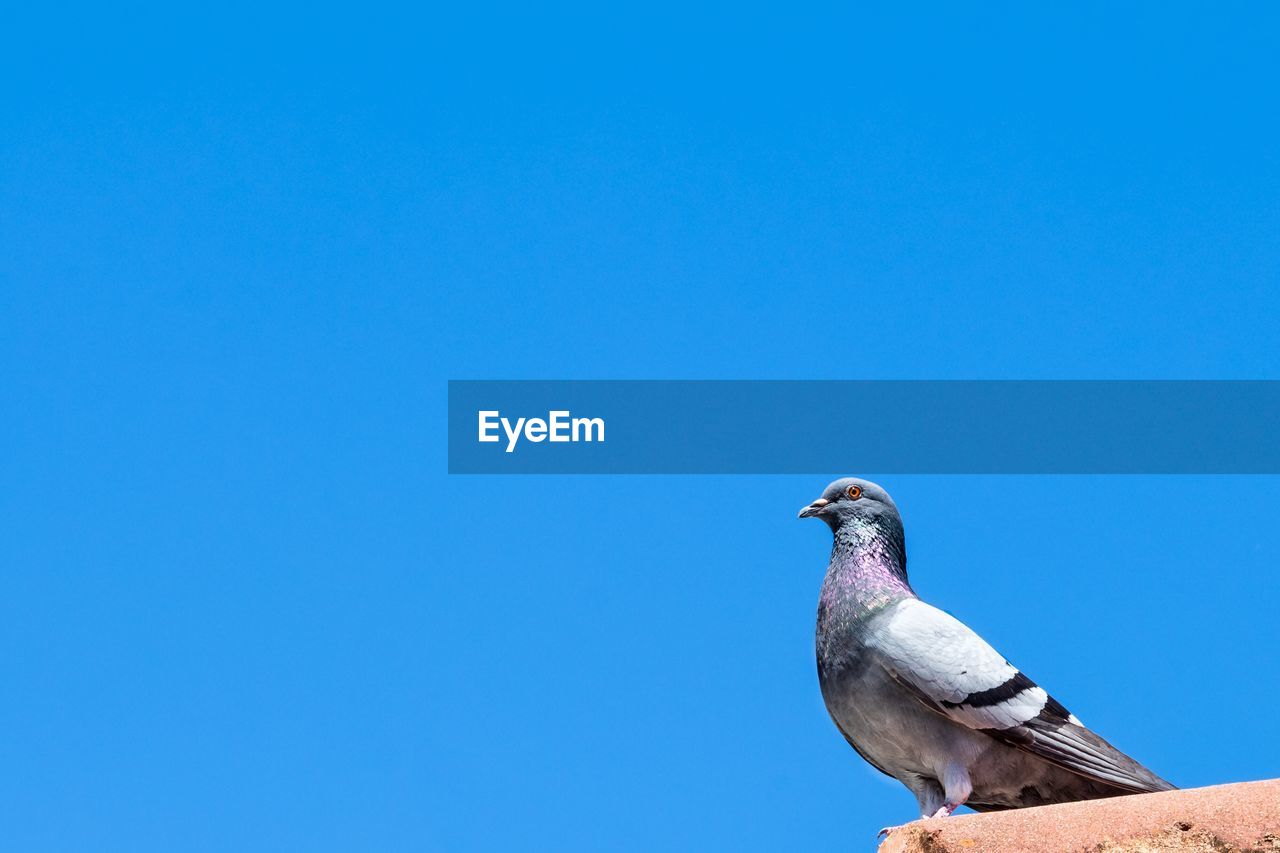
{"x": 924, "y": 699}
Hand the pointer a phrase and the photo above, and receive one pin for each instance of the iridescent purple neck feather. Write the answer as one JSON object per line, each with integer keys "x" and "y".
{"x": 868, "y": 569}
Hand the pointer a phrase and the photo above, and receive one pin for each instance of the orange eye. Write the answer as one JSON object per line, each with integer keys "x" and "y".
{"x": 854, "y": 492}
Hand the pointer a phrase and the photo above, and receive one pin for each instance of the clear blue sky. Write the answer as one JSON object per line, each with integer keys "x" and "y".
{"x": 245, "y": 608}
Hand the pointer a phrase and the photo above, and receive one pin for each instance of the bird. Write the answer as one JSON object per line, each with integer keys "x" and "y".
{"x": 924, "y": 699}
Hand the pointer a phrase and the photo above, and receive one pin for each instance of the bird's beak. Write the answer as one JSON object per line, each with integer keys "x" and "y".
{"x": 814, "y": 508}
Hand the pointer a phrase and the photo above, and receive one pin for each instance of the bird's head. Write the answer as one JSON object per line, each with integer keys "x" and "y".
{"x": 850, "y": 498}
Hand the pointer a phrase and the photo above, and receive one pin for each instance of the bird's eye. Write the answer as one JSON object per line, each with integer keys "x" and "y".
{"x": 854, "y": 492}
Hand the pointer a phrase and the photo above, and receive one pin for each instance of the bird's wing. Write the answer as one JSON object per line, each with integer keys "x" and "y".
{"x": 958, "y": 674}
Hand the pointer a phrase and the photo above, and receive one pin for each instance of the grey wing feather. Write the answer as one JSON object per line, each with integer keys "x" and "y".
{"x": 956, "y": 673}
{"x": 1070, "y": 745}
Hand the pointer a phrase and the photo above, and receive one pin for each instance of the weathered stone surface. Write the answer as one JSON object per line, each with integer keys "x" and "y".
{"x": 1220, "y": 819}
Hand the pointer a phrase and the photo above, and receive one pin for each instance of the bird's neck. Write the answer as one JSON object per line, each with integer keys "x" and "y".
{"x": 868, "y": 570}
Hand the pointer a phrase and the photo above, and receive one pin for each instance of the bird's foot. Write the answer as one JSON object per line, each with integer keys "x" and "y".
{"x": 945, "y": 811}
